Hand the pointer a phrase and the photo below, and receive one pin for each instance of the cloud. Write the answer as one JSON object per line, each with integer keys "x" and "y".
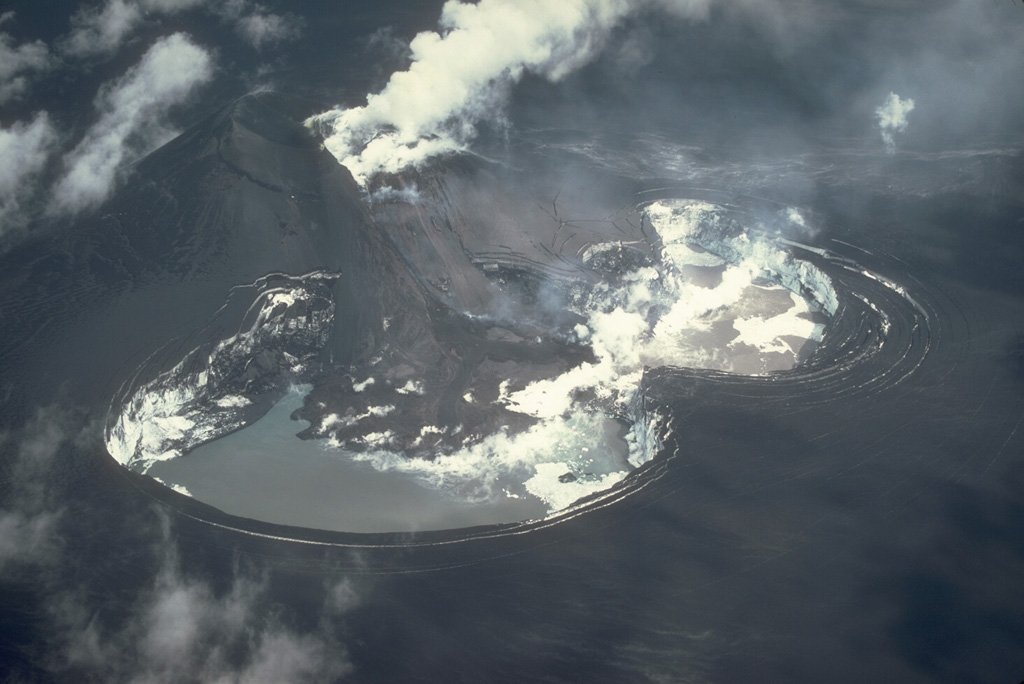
{"x": 462, "y": 74}
{"x": 262, "y": 29}
{"x": 963, "y": 62}
{"x": 25, "y": 149}
{"x": 103, "y": 29}
{"x": 892, "y": 119}
{"x": 27, "y": 537}
{"x": 389, "y": 46}
{"x": 342, "y": 596}
{"x": 258, "y": 26}
{"x": 385, "y": 195}
{"x": 170, "y": 6}
{"x": 132, "y": 109}
{"x": 181, "y": 629}
{"x": 172, "y": 627}
{"x": 29, "y": 512}
{"x": 19, "y": 62}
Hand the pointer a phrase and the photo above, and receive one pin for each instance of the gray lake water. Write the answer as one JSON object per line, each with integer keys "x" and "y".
{"x": 265, "y": 472}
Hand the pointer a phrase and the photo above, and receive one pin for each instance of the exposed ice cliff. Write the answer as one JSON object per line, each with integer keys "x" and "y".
{"x": 218, "y": 387}
{"x": 690, "y": 222}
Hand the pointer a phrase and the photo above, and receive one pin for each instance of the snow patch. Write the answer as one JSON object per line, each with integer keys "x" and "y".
{"x": 361, "y": 386}
{"x": 411, "y": 387}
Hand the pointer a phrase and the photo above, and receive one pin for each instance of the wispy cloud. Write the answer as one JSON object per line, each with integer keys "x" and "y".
{"x": 258, "y": 26}
{"x": 133, "y": 109}
{"x": 171, "y": 6}
{"x": 261, "y": 30}
{"x": 26, "y": 538}
{"x": 892, "y": 119}
{"x": 182, "y": 629}
{"x": 29, "y": 516}
{"x": 176, "y": 626}
{"x": 25, "y": 149}
{"x": 19, "y": 62}
{"x": 101, "y": 30}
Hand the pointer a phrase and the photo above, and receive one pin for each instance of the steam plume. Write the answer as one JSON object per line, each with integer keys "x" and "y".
{"x": 461, "y": 75}
{"x": 892, "y": 119}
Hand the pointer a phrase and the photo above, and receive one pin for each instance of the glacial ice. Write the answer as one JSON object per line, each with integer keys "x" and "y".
{"x": 712, "y": 294}
{"x": 211, "y": 391}
{"x": 647, "y": 314}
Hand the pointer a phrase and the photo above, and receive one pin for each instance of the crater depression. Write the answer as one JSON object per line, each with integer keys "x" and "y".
{"x": 471, "y": 343}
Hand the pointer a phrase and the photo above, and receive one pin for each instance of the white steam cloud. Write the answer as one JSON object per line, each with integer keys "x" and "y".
{"x": 461, "y": 76}
{"x": 892, "y": 119}
{"x": 132, "y": 107}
